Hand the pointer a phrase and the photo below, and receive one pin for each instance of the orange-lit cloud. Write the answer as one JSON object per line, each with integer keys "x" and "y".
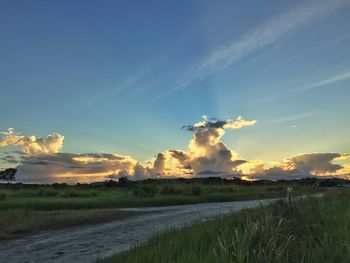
{"x": 31, "y": 144}
{"x": 303, "y": 165}
{"x": 46, "y": 167}
{"x": 207, "y": 155}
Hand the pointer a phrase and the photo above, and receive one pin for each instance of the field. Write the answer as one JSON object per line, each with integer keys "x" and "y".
{"x": 27, "y": 208}
{"x": 310, "y": 230}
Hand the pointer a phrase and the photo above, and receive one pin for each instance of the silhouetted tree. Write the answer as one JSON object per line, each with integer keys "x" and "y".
{"x": 8, "y": 175}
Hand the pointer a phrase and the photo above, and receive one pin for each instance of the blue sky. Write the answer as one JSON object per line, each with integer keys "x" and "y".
{"x": 125, "y": 76}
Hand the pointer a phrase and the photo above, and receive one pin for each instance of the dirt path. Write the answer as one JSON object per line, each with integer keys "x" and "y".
{"x": 86, "y": 243}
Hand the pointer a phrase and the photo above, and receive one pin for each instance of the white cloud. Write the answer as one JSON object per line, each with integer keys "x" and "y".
{"x": 261, "y": 37}
{"x": 325, "y": 82}
{"x": 207, "y": 155}
{"x": 70, "y": 167}
{"x": 310, "y": 86}
{"x": 318, "y": 48}
{"x": 301, "y": 166}
{"x": 31, "y": 144}
{"x": 295, "y": 117}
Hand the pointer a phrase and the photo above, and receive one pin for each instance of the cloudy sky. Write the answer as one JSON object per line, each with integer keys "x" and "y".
{"x": 91, "y": 90}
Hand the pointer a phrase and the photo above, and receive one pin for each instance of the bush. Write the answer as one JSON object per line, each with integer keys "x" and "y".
{"x": 196, "y": 189}
{"x": 47, "y": 192}
{"x": 136, "y": 191}
{"x": 328, "y": 183}
{"x": 74, "y": 193}
{"x": 145, "y": 191}
{"x": 150, "y": 189}
{"x": 168, "y": 190}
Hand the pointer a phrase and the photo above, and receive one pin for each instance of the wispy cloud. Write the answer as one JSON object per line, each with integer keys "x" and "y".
{"x": 325, "y": 82}
{"x": 310, "y": 86}
{"x": 319, "y": 47}
{"x": 295, "y": 117}
{"x": 260, "y": 37}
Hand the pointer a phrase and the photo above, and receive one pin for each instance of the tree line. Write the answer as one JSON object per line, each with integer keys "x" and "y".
{"x": 8, "y": 175}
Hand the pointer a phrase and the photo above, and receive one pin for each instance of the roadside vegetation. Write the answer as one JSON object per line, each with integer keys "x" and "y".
{"x": 63, "y": 197}
{"x": 310, "y": 230}
{"x": 25, "y": 208}
{"x": 16, "y": 222}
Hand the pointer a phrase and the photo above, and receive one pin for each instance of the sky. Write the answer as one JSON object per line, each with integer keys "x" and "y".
{"x": 112, "y": 83}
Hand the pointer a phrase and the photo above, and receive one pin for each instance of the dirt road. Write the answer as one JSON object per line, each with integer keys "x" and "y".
{"x": 86, "y": 243}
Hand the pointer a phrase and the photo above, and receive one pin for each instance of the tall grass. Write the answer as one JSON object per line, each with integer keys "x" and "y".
{"x": 19, "y": 221}
{"x": 26, "y": 207}
{"x": 311, "y": 230}
{"x": 51, "y": 198}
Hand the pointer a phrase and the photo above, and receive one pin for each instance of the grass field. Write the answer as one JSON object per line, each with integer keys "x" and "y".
{"x": 75, "y": 197}
{"x": 25, "y": 208}
{"x": 312, "y": 230}
{"x": 16, "y": 222}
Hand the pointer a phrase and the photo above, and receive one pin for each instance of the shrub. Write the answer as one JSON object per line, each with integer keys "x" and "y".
{"x": 328, "y": 183}
{"x": 196, "y": 189}
{"x": 47, "y": 192}
{"x": 168, "y": 190}
{"x": 142, "y": 191}
{"x": 74, "y": 193}
{"x": 150, "y": 189}
{"x": 136, "y": 191}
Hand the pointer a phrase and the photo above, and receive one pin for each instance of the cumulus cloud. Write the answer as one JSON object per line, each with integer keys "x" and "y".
{"x": 31, "y": 144}
{"x": 40, "y": 159}
{"x": 69, "y": 167}
{"x": 158, "y": 165}
{"x": 302, "y": 165}
{"x": 317, "y": 163}
{"x": 206, "y": 150}
{"x": 140, "y": 172}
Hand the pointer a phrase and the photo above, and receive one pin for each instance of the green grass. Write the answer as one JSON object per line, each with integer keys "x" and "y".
{"x": 16, "y": 222}
{"x": 25, "y": 208}
{"x": 50, "y": 199}
{"x": 312, "y": 230}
